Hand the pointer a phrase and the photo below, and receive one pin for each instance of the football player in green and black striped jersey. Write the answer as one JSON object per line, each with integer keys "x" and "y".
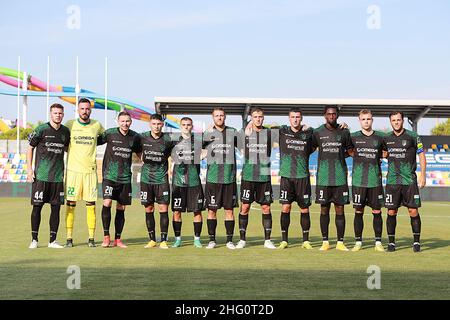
{"x": 332, "y": 142}
{"x": 187, "y": 190}
{"x": 367, "y": 189}
{"x": 295, "y": 143}
{"x": 121, "y": 142}
{"x": 402, "y": 186}
{"x": 256, "y": 183}
{"x": 50, "y": 140}
{"x": 220, "y": 142}
{"x": 156, "y": 148}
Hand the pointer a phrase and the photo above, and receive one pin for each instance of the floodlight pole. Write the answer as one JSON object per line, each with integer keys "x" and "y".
{"x": 18, "y": 107}
{"x": 77, "y": 90}
{"x": 25, "y": 100}
{"x": 106, "y": 92}
{"x": 48, "y": 88}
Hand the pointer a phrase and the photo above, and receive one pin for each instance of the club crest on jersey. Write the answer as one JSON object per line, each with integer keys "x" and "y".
{"x": 403, "y": 142}
{"x": 338, "y": 138}
{"x": 375, "y": 143}
{"x": 303, "y": 136}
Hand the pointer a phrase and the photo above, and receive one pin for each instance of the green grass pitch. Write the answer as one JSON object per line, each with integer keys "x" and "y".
{"x": 251, "y": 273}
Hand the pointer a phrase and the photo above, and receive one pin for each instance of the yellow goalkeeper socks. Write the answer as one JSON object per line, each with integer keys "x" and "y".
{"x": 70, "y": 213}
{"x": 90, "y": 211}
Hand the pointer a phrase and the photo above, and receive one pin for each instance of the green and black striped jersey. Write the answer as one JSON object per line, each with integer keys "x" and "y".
{"x": 402, "y": 151}
{"x": 117, "y": 158}
{"x": 186, "y": 157}
{"x": 155, "y": 154}
{"x": 257, "y": 150}
{"x": 332, "y": 145}
{"x": 295, "y": 149}
{"x": 368, "y": 150}
{"x": 50, "y": 145}
{"x": 221, "y": 155}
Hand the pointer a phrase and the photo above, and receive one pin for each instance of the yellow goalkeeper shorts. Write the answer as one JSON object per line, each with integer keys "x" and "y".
{"x": 81, "y": 186}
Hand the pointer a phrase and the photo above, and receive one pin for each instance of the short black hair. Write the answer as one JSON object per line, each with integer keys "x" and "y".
{"x": 156, "y": 116}
{"x": 84, "y": 100}
{"x": 123, "y": 113}
{"x": 186, "y": 119}
{"x": 296, "y": 110}
{"x": 331, "y": 106}
{"x": 57, "y": 106}
{"x": 393, "y": 113}
{"x": 257, "y": 109}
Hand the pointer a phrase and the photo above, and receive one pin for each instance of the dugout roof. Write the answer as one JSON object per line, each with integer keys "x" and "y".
{"x": 414, "y": 110}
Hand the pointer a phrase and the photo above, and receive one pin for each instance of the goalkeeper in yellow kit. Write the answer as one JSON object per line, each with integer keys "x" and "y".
{"x": 81, "y": 177}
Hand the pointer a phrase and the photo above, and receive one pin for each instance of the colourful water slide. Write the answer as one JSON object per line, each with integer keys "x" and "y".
{"x": 38, "y": 88}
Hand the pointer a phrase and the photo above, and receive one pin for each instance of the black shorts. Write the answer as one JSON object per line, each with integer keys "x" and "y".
{"x": 334, "y": 194}
{"x": 188, "y": 199}
{"x": 298, "y": 190}
{"x": 398, "y": 195}
{"x": 219, "y": 195}
{"x": 121, "y": 192}
{"x": 372, "y": 197}
{"x": 47, "y": 192}
{"x": 151, "y": 193}
{"x": 259, "y": 192}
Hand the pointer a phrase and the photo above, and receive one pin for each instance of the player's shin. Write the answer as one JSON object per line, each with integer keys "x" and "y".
{"x": 106, "y": 219}
{"x": 212, "y": 225}
{"x": 35, "y": 221}
{"x": 305, "y": 222}
{"x": 324, "y": 222}
{"x": 150, "y": 222}
{"x": 70, "y": 214}
{"x": 416, "y": 225}
{"x": 358, "y": 225}
{"x": 54, "y": 221}
{"x": 340, "y": 226}
{"x": 391, "y": 224}
{"x": 229, "y": 228}
{"x": 285, "y": 221}
{"x": 164, "y": 224}
{"x": 243, "y": 222}
{"x": 377, "y": 225}
{"x": 91, "y": 219}
{"x": 267, "y": 225}
{"x": 119, "y": 222}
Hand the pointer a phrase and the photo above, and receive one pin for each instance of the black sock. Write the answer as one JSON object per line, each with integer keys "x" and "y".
{"x": 340, "y": 226}
{"x": 106, "y": 219}
{"x": 176, "y": 228}
{"x": 229, "y": 228}
{"x": 285, "y": 221}
{"x": 324, "y": 223}
{"x": 305, "y": 222}
{"x": 416, "y": 225}
{"x": 267, "y": 225}
{"x": 164, "y": 223}
{"x": 198, "y": 228}
{"x": 150, "y": 222}
{"x": 358, "y": 225}
{"x": 377, "y": 225}
{"x": 119, "y": 222}
{"x": 35, "y": 221}
{"x": 212, "y": 224}
{"x": 391, "y": 223}
{"x": 243, "y": 222}
{"x": 54, "y": 221}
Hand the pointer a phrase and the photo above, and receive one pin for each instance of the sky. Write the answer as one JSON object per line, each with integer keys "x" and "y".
{"x": 232, "y": 48}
